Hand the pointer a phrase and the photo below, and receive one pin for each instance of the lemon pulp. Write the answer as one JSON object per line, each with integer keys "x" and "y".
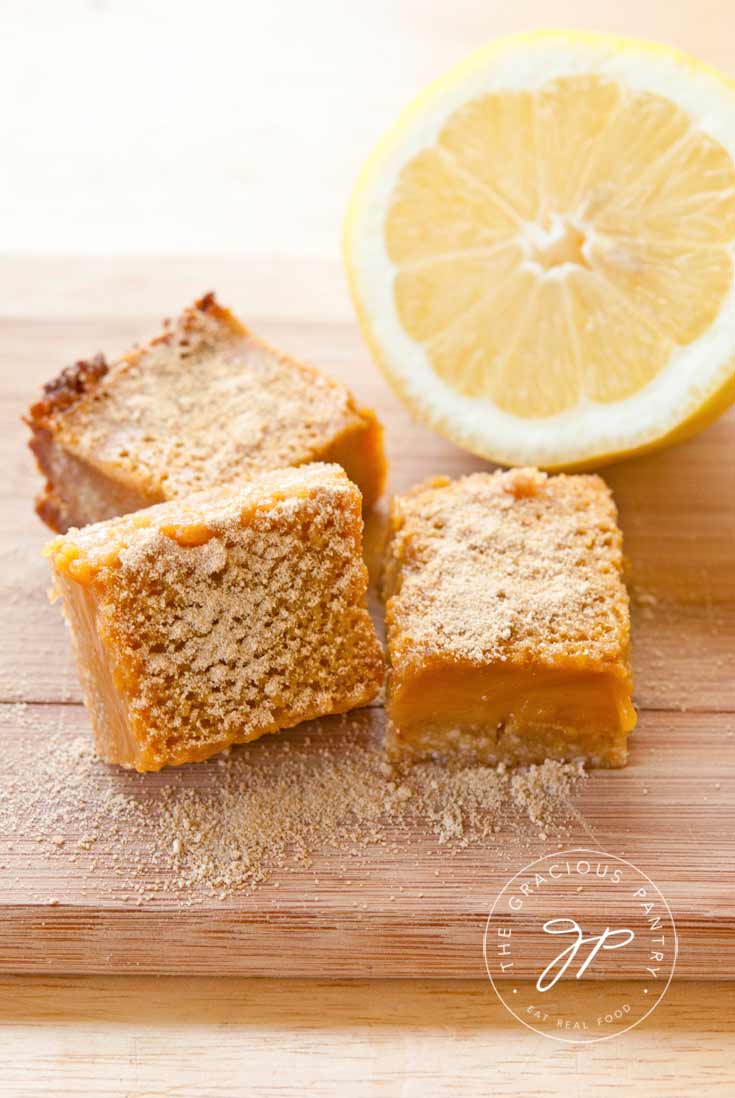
{"x": 542, "y": 251}
{"x": 561, "y": 243}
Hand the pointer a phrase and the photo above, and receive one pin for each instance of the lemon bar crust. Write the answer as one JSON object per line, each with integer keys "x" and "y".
{"x": 206, "y": 404}
{"x": 217, "y": 619}
{"x": 508, "y": 620}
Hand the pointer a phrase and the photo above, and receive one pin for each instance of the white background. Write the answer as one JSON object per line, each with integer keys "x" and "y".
{"x": 153, "y": 149}
{"x": 156, "y": 127}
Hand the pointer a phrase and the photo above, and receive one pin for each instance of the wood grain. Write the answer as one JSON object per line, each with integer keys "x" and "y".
{"x": 136, "y": 1037}
{"x": 670, "y": 811}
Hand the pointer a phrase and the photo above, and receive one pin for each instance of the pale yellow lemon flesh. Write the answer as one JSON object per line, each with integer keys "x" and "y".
{"x": 553, "y": 249}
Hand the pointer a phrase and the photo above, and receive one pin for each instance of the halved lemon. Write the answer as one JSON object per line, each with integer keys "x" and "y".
{"x": 541, "y": 251}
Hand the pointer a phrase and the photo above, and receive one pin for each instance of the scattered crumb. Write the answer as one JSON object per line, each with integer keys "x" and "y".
{"x": 264, "y": 809}
{"x": 646, "y": 601}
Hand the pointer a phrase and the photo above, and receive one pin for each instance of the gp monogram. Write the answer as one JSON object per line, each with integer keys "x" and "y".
{"x": 557, "y": 966}
{"x": 566, "y": 924}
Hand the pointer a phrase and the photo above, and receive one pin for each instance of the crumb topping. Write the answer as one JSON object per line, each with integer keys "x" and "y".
{"x": 514, "y": 567}
{"x": 67, "y": 388}
{"x": 224, "y": 618}
{"x": 82, "y": 553}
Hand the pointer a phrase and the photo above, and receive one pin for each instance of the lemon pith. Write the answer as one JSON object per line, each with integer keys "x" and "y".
{"x": 541, "y": 252}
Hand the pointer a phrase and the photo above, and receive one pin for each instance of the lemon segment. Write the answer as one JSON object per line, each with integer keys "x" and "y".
{"x": 541, "y": 252}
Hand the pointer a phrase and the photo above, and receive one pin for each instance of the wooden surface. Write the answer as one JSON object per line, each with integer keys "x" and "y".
{"x": 227, "y": 144}
{"x": 134, "y": 1037}
{"x": 670, "y": 811}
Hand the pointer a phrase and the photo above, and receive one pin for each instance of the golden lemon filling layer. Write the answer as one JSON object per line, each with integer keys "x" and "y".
{"x": 514, "y": 715}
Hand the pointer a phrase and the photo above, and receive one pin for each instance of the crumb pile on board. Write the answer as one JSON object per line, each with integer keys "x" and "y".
{"x": 232, "y": 823}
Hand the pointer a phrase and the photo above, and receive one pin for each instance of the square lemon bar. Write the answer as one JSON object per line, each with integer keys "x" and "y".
{"x": 211, "y": 621}
{"x": 206, "y": 404}
{"x": 508, "y": 620}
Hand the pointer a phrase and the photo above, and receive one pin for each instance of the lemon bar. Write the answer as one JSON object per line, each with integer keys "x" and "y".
{"x": 508, "y": 620}
{"x": 204, "y": 622}
{"x": 204, "y": 405}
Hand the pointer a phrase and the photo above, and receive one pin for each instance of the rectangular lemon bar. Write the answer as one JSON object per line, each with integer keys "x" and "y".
{"x": 508, "y": 620}
{"x": 204, "y": 622}
{"x": 206, "y": 404}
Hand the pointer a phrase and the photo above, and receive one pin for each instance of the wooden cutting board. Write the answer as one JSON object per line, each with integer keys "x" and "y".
{"x": 671, "y": 811}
